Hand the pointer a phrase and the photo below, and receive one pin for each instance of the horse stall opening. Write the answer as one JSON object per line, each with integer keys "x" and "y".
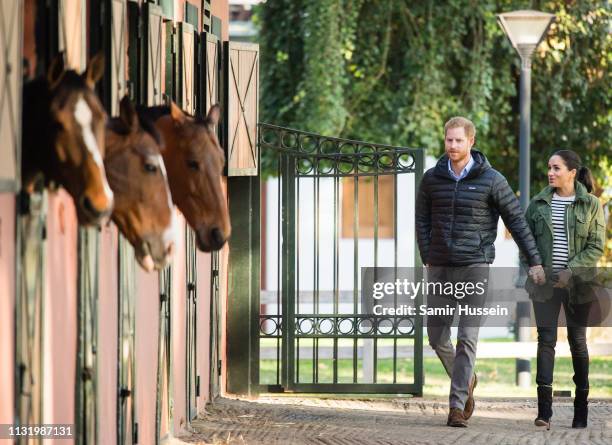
{"x": 121, "y": 354}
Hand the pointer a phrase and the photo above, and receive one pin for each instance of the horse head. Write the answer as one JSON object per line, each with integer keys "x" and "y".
{"x": 63, "y": 136}
{"x": 195, "y": 163}
{"x": 143, "y": 209}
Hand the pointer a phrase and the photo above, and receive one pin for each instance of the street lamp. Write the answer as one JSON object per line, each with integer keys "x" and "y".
{"x": 525, "y": 29}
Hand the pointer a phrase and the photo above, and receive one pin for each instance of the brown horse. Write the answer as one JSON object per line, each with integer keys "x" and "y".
{"x": 195, "y": 164}
{"x": 143, "y": 209}
{"x": 63, "y": 137}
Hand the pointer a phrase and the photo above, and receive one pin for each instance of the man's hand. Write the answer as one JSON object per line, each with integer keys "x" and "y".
{"x": 563, "y": 278}
{"x": 536, "y": 273}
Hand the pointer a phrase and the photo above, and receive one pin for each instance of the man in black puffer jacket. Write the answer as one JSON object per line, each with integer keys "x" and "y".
{"x": 458, "y": 207}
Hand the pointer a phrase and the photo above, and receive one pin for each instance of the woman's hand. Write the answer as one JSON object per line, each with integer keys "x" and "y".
{"x": 536, "y": 273}
{"x": 563, "y": 278}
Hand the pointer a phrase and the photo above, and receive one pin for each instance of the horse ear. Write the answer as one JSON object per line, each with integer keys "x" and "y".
{"x": 176, "y": 113}
{"x": 95, "y": 70}
{"x": 56, "y": 70}
{"x": 128, "y": 114}
{"x": 213, "y": 116}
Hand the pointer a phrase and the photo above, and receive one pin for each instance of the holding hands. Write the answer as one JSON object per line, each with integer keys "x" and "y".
{"x": 536, "y": 273}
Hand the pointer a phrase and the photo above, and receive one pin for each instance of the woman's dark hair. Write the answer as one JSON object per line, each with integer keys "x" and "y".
{"x": 573, "y": 162}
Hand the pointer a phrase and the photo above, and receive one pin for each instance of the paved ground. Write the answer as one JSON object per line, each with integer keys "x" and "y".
{"x": 302, "y": 420}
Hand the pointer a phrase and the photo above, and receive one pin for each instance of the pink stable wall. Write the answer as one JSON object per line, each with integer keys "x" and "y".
{"x": 108, "y": 314}
{"x": 147, "y": 325}
{"x": 220, "y": 8}
{"x": 60, "y": 317}
{"x": 179, "y": 330}
{"x": 7, "y": 305}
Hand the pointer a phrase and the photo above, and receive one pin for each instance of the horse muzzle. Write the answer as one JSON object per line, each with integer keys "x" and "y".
{"x": 154, "y": 254}
{"x": 90, "y": 213}
{"x": 210, "y": 239}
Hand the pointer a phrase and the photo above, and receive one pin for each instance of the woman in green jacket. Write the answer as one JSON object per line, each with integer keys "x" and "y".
{"x": 568, "y": 225}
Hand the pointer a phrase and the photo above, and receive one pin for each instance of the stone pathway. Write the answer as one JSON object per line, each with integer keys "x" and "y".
{"x": 307, "y": 420}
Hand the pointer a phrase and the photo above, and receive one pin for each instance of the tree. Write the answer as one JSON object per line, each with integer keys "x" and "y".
{"x": 393, "y": 72}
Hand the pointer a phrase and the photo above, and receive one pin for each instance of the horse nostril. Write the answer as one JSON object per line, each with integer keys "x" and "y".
{"x": 88, "y": 206}
{"x": 90, "y": 209}
{"x": 170, "y": 248}
{"x": 217, "y": 237}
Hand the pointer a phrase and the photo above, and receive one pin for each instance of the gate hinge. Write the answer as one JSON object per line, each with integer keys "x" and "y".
{"x": 135, "y": 432}
{"x": 197, "y": 388}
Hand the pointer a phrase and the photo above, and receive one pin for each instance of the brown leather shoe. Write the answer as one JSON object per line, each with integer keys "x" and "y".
{"x": 470, "y": 403}
{"x": 456, "y": 419}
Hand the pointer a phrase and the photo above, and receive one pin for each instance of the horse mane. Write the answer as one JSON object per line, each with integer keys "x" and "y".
{"x": 153, "y": 113}
{"x": 116, "y": 125}
{"x": 72, "y": 79}
{"x": 148, "y": 126}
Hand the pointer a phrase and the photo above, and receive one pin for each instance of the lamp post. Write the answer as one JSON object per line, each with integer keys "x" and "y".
{"x": 525, "y": 29}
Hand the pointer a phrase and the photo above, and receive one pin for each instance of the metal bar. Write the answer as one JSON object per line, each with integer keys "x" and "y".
{"x": 336, "y": 253}
{"x": 314, "y": 271}
{"x": 361, "y": 388}
{"x": 375, "y": 222}
{"x": 317, "y": 239}
{"x": 297, "y": 273}
{"x": 355, "y": 243}
{"x": 289, "y": 261}
{"x": 280, "y": 310}
{"x": 395, "y": 198}
{"x": 355, "y": 265}
{"x": 375, "y": 358}
{"x": 335, "y": 273}
{"x": 419, "y": 158}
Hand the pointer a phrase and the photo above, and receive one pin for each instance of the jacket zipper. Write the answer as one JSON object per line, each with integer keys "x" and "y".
{"x": 453, "y": 218}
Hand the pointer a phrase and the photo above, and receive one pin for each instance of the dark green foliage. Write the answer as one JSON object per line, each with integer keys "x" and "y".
{"x": 391, "y": 71}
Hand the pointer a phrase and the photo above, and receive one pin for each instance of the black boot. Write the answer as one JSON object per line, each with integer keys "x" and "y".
{"x": 581, "y": 408}
{"x": 544, "y": 406}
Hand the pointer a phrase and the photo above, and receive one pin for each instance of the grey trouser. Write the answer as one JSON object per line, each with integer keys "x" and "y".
{"x": 459, "y": 364}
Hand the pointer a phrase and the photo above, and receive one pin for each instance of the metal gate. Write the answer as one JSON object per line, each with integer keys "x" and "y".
{"x": 338, "y": 205}
{"x": 87, "y": 336}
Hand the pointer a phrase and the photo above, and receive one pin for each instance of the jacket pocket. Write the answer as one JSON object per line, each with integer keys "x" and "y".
{"x": 539, "y": 225}
{"x": 582, "y": 226}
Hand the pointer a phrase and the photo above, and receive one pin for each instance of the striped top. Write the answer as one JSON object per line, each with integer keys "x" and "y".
{"x": 560, "y": 243}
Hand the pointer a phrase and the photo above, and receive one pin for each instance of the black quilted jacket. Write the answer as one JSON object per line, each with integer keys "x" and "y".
{"x": 456, "y": 221}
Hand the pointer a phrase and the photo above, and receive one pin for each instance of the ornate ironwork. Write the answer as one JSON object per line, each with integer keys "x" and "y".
{"x": 323, "y": 156}
{"x": 324, "y": 321}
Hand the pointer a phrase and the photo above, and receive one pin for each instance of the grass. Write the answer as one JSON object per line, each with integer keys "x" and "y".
{"x": 495, "y": 376}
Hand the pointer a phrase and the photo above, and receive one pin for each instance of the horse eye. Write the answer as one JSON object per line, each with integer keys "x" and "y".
{"x": 150, "y": 168}
{"x": 194, "y": 165}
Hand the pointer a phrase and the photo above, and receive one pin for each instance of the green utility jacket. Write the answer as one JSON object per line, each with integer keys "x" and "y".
{"x": 584, "y": 222}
